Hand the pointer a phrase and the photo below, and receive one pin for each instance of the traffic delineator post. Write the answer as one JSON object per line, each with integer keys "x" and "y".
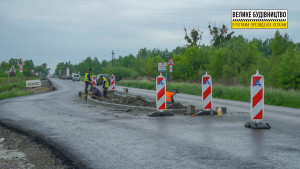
{"x": 113, "y": 82}
{"x": 257, "y": 103}
{"x": 161, "y": 93}
{"x": 94, "y": 80}
{"x": 206, "y": 92}
{"x": 257, "y": 97}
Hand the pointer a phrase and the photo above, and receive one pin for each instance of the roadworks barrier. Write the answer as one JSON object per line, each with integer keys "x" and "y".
{"x": 257, "y": 103}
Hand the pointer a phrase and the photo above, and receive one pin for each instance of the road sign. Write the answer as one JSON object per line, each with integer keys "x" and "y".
{"x": 257, "y": 97}
{"x": 33, "y": 83}
{"x": 21, "y": 69}
{"x": 12, "y": 69}
{"x": 171, "y": 62}
{"x": 20, "y": 62}
{"x": 161, "y": 93}
{"x": 206, "y": 91}
{"x": 171, "y": 68}
{"x": 161, "y": 67}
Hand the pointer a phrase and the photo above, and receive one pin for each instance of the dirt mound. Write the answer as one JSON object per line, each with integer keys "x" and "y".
{"x": 135, "y": 101}
{"x": 176, "y": 105}
{"x": 126, "y": 100}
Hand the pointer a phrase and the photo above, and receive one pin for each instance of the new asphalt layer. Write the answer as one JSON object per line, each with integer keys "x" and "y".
{"x": 97, "y": 136}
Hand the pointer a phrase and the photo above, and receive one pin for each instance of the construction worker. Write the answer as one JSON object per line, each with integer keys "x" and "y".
{"x": 95, "y": 91}
{"x": 170, "y": 95}
{"x": 105, "y": 86}
{"x": 88, "y": 81}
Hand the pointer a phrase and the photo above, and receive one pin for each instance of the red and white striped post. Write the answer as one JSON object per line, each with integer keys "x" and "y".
{"x": 113, "y": 82}
{"x": 94, "y": 80}
{"x": 206, "y": 92}
{"x": 160, "y": 93}
{"x": 257, "y": 97}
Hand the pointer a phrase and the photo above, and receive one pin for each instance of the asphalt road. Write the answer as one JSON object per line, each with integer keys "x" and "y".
{"x": 94, "y": 136}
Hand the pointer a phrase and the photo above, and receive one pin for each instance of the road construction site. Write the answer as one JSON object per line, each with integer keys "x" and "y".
{"x": 92, "y": 134}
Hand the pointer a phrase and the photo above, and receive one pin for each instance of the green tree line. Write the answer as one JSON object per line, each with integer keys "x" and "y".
{"x": 230, "y": 60}
{"x": 29, "y": 65}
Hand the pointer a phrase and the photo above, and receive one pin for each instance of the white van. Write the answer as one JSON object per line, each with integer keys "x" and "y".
{"x": 75, "y": 77}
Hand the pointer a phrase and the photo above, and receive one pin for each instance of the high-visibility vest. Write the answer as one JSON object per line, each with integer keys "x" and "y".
{"x": 106, "y": 82}
{"x": 86, "y": 79}
{"x": 169, "y": 96}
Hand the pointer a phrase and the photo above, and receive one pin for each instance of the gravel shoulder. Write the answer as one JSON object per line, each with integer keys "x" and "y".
{"x": 20, "y": 151}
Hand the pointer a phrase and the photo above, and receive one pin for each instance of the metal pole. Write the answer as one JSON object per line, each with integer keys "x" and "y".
{"x": 112, "y": 60}
{"x": 22, "y": 80}
{"x": 166, "y": 75}
{"x": 12, "y": 76}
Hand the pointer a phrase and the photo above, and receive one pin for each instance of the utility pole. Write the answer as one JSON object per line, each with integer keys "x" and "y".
{"x": 113, "y": 58}
{"x": 28, "y": 70}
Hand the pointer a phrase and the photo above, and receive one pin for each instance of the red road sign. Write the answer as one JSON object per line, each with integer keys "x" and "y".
{"x": 171, "y": 62}
{"x": 20, "y": 62}
{"x": 171, "y": 68}
{"x": 21, "y": 69}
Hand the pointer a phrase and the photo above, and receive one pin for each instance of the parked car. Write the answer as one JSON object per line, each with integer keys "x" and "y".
{"x": 76, "y": 77}
{"x": 69, "y": 77}
{"x": 99, "y": 79}
{"x": 64, "y": 77}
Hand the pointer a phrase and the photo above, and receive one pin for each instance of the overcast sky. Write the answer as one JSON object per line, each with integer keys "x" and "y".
{"x": 52, "y": 31}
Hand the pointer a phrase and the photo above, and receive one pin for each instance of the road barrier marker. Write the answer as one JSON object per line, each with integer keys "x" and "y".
{"x": 94, "y": 80}
{"x": 161, "y": 93}
{"x": 206, "y": 92}
{"x": 257, "y": 103}
{"x": 112, "y": 83}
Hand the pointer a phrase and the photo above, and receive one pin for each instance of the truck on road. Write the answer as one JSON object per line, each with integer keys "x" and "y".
{"x": 62, "y": 74}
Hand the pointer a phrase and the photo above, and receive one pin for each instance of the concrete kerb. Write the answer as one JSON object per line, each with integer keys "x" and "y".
{"x": 137, "y": 108}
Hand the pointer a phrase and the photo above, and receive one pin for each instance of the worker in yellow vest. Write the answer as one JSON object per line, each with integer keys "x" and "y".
{"x": 105, "y": 86}
{"x": 88, "y": 81}
{"x": 170, "y": 95}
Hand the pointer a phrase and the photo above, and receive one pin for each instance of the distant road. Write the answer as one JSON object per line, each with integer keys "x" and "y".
{"x": 95, "y": 136}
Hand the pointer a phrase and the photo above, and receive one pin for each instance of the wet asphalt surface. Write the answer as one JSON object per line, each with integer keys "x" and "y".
{"x": 95, "y": 136}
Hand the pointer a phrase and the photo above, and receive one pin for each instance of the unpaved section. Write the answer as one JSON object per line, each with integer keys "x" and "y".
{"x": 132, "y": 100}
{"x": 19, "y": 151}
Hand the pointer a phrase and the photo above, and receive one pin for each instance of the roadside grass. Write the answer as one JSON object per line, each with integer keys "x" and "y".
{"x": 7, "y": 90}
{"x": 273, "y": 96}
{"x": 15, "y": 92}
{"x": 4, "y": 85}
